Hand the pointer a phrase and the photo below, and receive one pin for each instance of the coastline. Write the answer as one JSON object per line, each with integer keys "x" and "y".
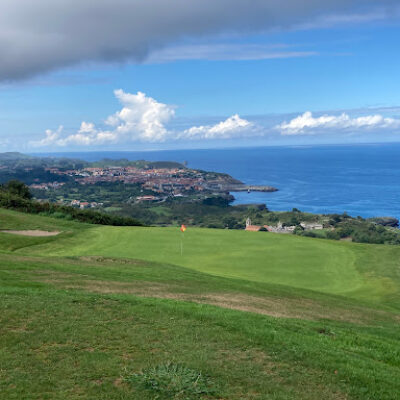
{"x": 251, "y": 188}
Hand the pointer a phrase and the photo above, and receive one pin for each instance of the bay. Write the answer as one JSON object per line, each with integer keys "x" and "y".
{"x": 359, "y": 179}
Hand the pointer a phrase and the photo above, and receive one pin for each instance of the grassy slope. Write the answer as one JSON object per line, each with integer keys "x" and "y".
{"x": 71, "y": 325}
{"x": 326, "y": 266}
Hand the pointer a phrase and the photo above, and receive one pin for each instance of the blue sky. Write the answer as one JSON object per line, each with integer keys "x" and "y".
{"x": 231, "y": 88}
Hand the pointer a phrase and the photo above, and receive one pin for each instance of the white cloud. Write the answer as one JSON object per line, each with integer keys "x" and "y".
{"x": 225, "y": 51}
{"x": 230, "y": 128}
{"x": 143, "y": 119}
{"x": 307, "y": 124}
{"x": 43, "y": 35}
{"x": 328, "y": 21}
{"x": 51, "y": 137}
{"x": 4, "y": 142}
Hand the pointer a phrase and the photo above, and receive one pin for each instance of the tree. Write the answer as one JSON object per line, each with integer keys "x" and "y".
{"x": 18, "y": 188}
{"x": 218, "y": 201}
{"x": 230, "y": 222}
{"x": 294, "y": 220}
{"x": 298, "y": 230}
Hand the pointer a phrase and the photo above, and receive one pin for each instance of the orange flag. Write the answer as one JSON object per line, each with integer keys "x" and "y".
{"x": 183, "y": 228}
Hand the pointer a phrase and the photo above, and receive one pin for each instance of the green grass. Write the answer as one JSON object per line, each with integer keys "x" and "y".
{"x": 161, "y": 210}
{"x": 113, "y": 209}
{"x": 321, "y": 265}
{"x": 255, "y": 315}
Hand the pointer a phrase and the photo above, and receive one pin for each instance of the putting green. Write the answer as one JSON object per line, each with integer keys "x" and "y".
{"x": 321, "y": 265}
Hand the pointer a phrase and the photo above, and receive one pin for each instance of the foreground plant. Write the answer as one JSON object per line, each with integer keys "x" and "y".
{"x": 173, "y": 381}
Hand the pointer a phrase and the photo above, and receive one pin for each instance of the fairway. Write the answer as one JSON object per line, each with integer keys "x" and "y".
{"x": 320, "y": 265}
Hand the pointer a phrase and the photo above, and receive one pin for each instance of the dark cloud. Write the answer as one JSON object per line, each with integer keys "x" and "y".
{"x": 42, "y": 35}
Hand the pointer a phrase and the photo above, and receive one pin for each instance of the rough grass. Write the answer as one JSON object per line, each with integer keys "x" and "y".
{"x": 74, "y": 323}
{"x": 204, "y": 289}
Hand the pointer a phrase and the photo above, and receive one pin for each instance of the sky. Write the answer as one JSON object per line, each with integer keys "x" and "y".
{"x": 78, "y": 75}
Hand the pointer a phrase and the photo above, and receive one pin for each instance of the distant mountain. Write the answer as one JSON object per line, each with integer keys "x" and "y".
{"x": 15, "y": 156}
{"x": 16, "y": 160}
{"x": 106, "y": 162}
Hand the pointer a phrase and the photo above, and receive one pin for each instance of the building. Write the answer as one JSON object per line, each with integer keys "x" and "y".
{"x": 312, "y": 226}
{"x": 146, "y": 198}
{"x": 255, "y": 228}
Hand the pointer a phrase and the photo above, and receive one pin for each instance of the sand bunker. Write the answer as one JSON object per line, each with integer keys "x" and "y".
{"x": 32, "y": 233}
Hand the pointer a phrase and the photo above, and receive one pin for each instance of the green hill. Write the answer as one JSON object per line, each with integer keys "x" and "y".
{"x": 260, "y": 316}
{"x": 14, "y": 156}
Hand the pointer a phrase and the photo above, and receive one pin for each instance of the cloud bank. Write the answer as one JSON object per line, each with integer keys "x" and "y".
{"x": 43, "y": 35}
{"x": 307, "y": 124}
{"x": 143, "y": 119}
{"x": 146, "y": 120}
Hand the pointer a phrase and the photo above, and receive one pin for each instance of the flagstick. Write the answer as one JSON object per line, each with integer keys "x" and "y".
{"x": 182, "y": 244}
{"x": 183, "y": 229}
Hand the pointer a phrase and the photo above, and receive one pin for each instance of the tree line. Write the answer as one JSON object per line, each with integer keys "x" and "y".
{"x": 15, "y": 195}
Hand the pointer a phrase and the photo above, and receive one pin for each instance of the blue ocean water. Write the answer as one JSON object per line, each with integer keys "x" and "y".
{"x": 359, "y": 179}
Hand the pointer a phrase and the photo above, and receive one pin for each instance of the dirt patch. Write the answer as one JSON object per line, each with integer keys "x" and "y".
{"x": 34, "y": 233}
{"x": 118, "y": 382}
{"x": 109, "y": 261}
{"x": 283, "y": 307}
{"x": 139, "y": 288}
{"x": 55, "y": 276}
{"x": 299, "y": 308}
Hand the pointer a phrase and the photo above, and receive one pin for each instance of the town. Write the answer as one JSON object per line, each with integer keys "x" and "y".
{"x": 164, "y": 181}
{"x": 156, "y": 183}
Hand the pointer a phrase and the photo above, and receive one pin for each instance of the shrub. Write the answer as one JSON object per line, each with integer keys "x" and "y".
{"x": 333, "y": 235}
{"x": 58, "y": 214}
{"x": 309, "y": 234}
{"x": 273, "y": 218}
{"x": 230, "y": 222}
{"x": 298, "y": 230}
{"x": 334, "y": 219}
{"x": 173, "y": 381}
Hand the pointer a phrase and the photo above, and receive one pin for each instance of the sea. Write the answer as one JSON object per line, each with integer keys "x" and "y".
{"x": 361, "y": 180}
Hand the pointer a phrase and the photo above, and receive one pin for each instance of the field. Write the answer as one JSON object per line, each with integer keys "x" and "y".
{"x": 258, "y": 315}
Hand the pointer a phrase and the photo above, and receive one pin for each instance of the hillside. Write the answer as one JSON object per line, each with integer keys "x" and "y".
{"x": 14, "y": 156}
{"x": 261, "y": 316}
